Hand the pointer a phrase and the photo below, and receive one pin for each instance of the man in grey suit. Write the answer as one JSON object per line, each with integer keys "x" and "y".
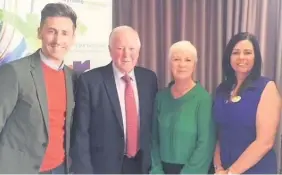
{"x": 36, "y": 100}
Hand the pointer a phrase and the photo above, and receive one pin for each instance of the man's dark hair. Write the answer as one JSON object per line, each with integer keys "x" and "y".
{"x": 58, "y": 10}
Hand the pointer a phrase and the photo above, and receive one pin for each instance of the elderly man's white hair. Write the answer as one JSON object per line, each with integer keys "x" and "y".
{"x": 120, "y": 29}
{"x": 183, "y": 46}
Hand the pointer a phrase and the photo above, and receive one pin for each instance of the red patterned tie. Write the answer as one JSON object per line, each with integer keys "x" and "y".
{"x": 131, "y": 118}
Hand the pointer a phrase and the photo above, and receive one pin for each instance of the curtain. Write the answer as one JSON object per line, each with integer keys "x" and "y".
{"x": 208, "y": 24}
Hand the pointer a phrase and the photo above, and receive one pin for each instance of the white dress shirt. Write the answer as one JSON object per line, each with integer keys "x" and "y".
{"x": 120, "y": 85}
{"x": 50, "y": 63}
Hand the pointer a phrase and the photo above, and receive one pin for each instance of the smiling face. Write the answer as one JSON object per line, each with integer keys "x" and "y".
{"x": 57, "y": 36}
{"x": 183, "y": 64}
{"x": 124, "y": 49}
{"x": 242, "y": 58}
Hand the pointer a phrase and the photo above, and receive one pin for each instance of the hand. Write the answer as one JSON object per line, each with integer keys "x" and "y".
{"x": 231, "y": 171}
{"x": 221, "y": 171}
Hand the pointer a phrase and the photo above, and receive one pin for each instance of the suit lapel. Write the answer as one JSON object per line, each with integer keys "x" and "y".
{"x": 38, "y": 79}
{"x": 111, "y": 89}
{"x": 140, "y": 82}
{"x": 69, "y": 93}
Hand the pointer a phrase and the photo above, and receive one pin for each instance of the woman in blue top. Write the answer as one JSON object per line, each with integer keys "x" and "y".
{"x": 246, "y": 110}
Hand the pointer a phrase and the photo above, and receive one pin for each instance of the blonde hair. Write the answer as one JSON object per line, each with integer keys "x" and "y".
{"x": 185, "y": 46}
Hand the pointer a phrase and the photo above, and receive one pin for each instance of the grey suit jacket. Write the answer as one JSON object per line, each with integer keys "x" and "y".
{"x": 24, "y": 115}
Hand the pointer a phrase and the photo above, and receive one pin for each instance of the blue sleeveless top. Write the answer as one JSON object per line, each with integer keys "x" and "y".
{"x": 236, "y": 126}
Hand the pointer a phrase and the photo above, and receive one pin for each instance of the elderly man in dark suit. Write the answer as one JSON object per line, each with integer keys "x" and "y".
{"x": 113, "y": 112}
{"x": 36, "y": 100}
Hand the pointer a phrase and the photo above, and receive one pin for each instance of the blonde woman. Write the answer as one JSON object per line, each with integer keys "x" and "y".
{"x": 183, "y": 130}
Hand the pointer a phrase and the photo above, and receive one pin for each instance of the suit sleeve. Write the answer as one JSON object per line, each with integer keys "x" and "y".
{"x": 8, "y": 92}
{"x": 80, "y": 142}
{"x": 155, "y": 153}
{"x": 201, "y": 158}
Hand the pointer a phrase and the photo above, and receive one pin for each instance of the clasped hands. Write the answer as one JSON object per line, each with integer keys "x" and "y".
{"x": 223, "y": 171}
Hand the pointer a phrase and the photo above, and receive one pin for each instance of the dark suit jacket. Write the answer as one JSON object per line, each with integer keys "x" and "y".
{"x": 24, "y": 115}
{"x": 98, "y": 136}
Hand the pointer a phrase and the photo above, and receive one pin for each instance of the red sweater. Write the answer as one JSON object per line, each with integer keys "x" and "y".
{"x": 56, "y": 95}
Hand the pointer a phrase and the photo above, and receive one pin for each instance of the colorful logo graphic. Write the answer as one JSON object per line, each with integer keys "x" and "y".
{"x": 20, "y": 19}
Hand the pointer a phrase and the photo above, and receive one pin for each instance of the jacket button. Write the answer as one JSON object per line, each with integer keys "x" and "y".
{"x": 44, "y": 145}
{"x": 120, "y": 158}
{"x": 37, "y": 167}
